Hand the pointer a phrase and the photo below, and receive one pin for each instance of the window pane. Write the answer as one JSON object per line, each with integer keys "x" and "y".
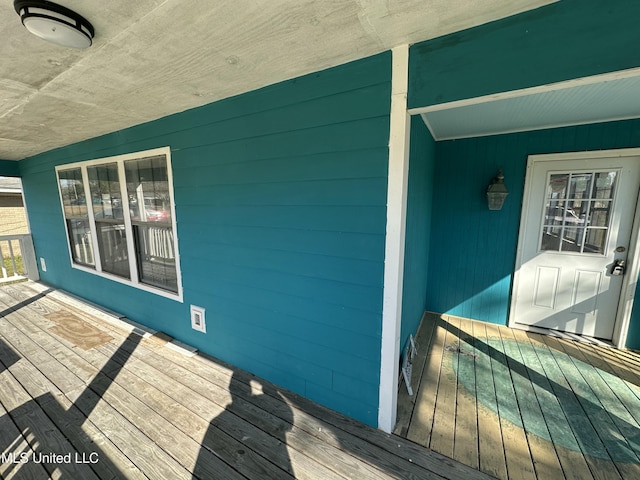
{"x": 156, "y": 259}
{"x": 105, "y": 192}
{"x": 600, "y": 213}
{"x": 595, "y": 240}
{"x": 604, "y": 185}
{"x": 106, "y": 199}
{"x": 572, "y": 239}
{"x": 150, "y": 208}
{"x": 577, "y": 212}
{"x": 148, "y": 190}
{"x": 557, "y": 187}
{"x": 112, "y": 244}
{"x": 554, "y": 213}
{"x": 80, "y": 242}
{"x": 72, "y": 190}
{"x": 580, "y": 185}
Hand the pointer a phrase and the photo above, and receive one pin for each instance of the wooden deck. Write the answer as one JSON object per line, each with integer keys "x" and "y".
{"x": 519, "y": 405}
{"x": 85, "y": 396}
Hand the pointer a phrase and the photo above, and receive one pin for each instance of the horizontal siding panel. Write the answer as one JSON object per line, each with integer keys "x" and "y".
{"x": 316, "y": 311}
{"x": 344, "y": 137}
{"x": 301, "y": 272}
{"x": 365, "y": 298}
{"x": 348, "y": 107}
{"x": 354, "y": 219}
{"x": 9, "y": 168}
{"x": 277, "y": 354}
{"x": 301, "y": 338}
{"x": 360, "y": 191}
{"x": 356, "y": 407}
{"x": 230, "y": 260}
{"x": 357, "y": 246}
{"x": 353, "y": 387}
{"x": 243, "y": 355}
{"x": 224, "y": 170}
{"x": 363, "y": 135}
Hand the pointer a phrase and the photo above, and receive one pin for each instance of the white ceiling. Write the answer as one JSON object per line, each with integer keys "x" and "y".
{"x": 600, "y": 98}
{"x": 151, "y": 58}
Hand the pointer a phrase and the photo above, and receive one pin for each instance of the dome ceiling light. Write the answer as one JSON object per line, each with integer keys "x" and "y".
{"x": 55, "y": 23}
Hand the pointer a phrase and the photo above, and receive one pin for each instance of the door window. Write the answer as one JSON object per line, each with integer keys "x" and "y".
{"x": 578, "y": 212}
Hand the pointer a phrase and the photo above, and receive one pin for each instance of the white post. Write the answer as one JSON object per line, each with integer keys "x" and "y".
{"x": 400, "y": 124}
{"x": 29, "y": 257}
{"x": 2, "y": 267}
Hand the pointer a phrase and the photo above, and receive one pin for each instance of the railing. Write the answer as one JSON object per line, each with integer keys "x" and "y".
{"x": 17, "y": 258}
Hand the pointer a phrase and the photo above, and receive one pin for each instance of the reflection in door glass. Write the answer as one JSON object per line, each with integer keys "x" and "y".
{"x": 578, "y": 212}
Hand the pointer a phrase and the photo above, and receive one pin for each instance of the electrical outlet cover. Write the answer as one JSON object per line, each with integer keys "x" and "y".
{"x": 197, "y": 319}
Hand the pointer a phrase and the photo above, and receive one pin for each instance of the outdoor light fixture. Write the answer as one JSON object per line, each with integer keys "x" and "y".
{"x": 55, "y": 23}
{"x": 497, "y": 192}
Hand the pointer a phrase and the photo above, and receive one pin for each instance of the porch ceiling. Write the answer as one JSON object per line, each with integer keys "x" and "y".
{"x": 152, "y": 58}
{"x": 594, "y": 99}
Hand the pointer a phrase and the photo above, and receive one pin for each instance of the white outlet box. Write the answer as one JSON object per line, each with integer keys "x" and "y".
{"x": 197, "y": 319}
{"x": 43, "y": 264}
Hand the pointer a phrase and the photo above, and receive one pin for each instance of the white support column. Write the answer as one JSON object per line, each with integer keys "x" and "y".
{"x": 395, "y": 235}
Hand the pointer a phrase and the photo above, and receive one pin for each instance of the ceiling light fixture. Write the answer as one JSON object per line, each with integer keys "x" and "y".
{"x": 55, "y": 23}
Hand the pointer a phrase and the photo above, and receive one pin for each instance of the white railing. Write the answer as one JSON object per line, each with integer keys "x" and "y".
{"x": 17, "y": 258}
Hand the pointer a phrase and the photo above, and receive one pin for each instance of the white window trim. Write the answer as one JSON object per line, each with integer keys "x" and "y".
{"x": 119, "y": 160}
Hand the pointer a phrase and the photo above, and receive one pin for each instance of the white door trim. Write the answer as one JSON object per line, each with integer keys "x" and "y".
{"x": 625, "y": 303}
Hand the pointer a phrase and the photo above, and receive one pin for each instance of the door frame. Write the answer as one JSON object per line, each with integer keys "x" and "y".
{"x": 625, "y": 303}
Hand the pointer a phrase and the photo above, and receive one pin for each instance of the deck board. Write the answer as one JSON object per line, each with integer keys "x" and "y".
{"x": 465, "y": 448}
{"x": 519, "y": 461}
{"x": 543, "y": 454}
{"x": 573, "y": 463}
{"x": 491, "y": 447}
{"x": 545, "y": 407}
{"x": 77, "y": 380}
{"x": 443, "y": 432}
{"x": 419, "y": 430}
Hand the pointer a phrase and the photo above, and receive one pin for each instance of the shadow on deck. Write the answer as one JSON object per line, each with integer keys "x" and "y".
{"x": 85, "y": 395}
{"x": 516, "y": 404}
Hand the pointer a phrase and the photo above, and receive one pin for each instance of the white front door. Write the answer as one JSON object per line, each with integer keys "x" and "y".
{"x": 576, "y": 224}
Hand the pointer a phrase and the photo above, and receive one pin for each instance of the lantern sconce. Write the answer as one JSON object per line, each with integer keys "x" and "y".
{"x": 497, "y": 192}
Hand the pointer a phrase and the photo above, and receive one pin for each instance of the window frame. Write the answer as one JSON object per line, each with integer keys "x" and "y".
{"x": 132, "y": 251}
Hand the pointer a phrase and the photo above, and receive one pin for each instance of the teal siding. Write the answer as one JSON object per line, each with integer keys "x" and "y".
{"x": 562, "y": 41}
{"x": 633, "y": 335}
{"x": 9, "y": 168}
{"x": 473, "y": 250}
{"x": 417, "y": 244}
{"x": 281, "y": 213}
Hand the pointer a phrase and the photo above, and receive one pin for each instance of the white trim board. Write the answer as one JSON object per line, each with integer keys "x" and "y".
{"x": 394, "y": 241}
{"x": 607, "y": 97}
{"x": 625, "y": 305}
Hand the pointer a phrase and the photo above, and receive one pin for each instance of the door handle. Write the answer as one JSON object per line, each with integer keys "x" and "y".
{"x": 618, "y": 268}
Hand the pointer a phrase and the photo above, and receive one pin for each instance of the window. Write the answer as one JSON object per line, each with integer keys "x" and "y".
{"x": 119, "y": 218}
{"x": 578, "y": 212}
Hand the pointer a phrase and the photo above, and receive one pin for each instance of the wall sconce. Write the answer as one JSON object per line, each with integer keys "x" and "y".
{"x": 497, "y": 192}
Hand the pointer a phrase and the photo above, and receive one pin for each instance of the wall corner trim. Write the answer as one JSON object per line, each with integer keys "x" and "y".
{"x": 394, "y": 240}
